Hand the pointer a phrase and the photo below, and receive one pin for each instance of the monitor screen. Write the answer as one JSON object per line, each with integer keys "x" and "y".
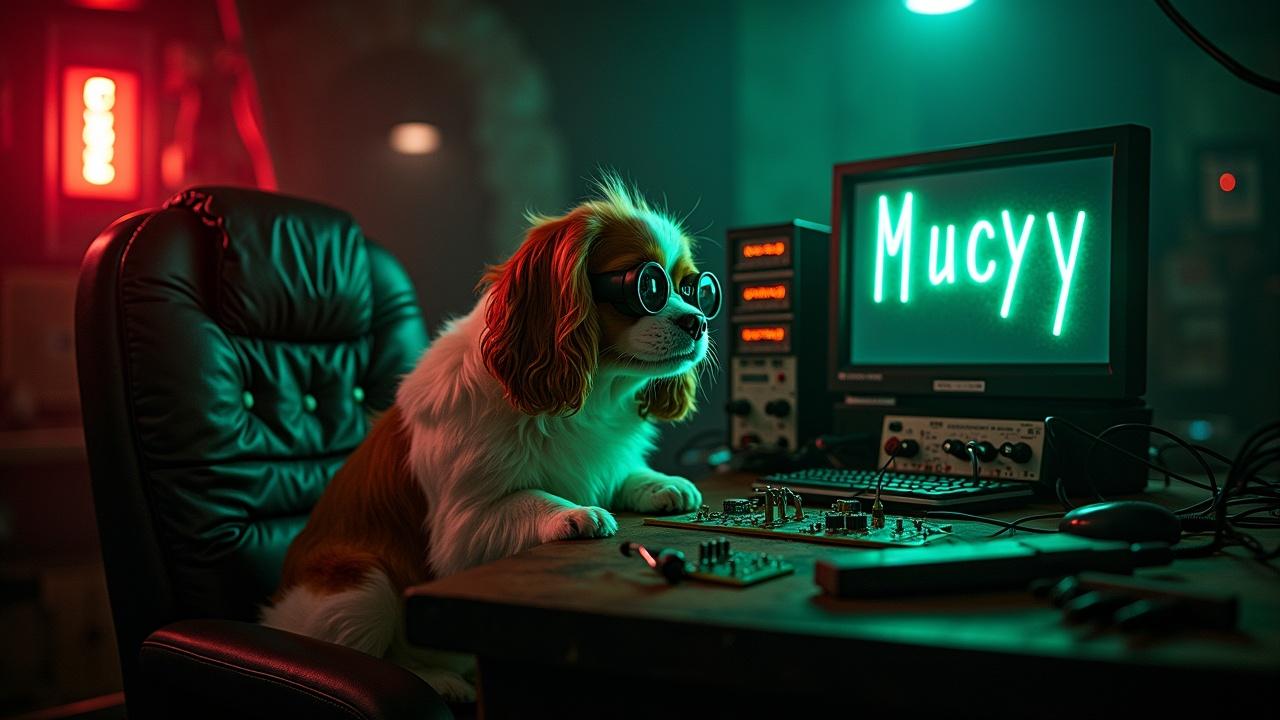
{"x": 1001, "y": 265}
{"x": 1014, "y": 269}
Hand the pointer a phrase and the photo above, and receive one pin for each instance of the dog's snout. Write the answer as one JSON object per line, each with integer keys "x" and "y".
{"x": 694, "y": 323}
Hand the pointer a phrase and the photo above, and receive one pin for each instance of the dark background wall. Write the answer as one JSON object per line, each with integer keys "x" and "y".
{"x": 646, "y": 89}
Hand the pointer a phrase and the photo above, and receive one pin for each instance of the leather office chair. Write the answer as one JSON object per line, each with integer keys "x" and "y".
{"x": 230, "y": 347}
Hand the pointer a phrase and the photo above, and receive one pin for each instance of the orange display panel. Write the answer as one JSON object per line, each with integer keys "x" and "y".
{"x": 763, "y": 334}
{"x": 100, "y": 138}
{"x": 764, "y": 292}
{"x": 765, "y": 249}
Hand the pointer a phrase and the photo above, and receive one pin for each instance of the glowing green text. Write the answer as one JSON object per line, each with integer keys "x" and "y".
{"x": 892, "y": 240}
{"x": 982, "y": 261}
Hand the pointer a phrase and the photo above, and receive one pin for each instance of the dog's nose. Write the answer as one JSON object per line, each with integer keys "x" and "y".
{"x": 694, "y": 323}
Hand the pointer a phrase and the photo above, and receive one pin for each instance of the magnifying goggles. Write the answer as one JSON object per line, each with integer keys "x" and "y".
{"x": 645, "y": 288}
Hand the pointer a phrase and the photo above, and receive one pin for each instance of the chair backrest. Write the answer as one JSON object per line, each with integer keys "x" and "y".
{"x": 230, "y": 347}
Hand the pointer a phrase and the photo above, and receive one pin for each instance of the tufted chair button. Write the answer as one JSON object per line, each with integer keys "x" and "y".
{"x": 309, "y": 403}
{"x": 358, "y": 393}
{"x": 246, "y": 398}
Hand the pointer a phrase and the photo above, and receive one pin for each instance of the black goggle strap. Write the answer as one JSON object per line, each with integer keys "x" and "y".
{"x": 608, "y": 286}
{"x": 622, "y": 289}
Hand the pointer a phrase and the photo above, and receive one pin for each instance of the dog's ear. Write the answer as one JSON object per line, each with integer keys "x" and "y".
{"x": 541, "y": 337}
{"x": 670, "y": 398}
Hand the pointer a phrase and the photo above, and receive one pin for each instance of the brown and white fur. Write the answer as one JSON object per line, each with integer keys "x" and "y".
{"x": 523, "y": 422}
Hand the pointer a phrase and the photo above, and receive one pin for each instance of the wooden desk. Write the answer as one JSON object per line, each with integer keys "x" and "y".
{"x": 575, "y": 627}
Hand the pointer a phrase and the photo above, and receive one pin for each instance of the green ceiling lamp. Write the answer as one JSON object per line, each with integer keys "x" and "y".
{"x": 936, "y": 7}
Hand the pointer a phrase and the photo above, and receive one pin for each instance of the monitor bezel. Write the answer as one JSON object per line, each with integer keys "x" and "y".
{"x": 1123, "y": 377}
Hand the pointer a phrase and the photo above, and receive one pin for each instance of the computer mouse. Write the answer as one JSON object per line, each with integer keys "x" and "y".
{"x": 1132, "y": 521}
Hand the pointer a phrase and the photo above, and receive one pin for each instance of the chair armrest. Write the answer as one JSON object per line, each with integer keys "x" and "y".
{"x": 217, "y": 667}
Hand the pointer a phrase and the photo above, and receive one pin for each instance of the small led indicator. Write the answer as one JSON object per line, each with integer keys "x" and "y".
{"x": 1227, "y": 182}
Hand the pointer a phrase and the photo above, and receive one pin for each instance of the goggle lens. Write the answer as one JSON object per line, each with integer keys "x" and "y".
{"x": 708, "y": 294}
{"x": 654, "y": 287}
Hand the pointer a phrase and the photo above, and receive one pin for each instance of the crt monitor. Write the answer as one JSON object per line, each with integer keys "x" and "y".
{"x": 1007, "y": 270}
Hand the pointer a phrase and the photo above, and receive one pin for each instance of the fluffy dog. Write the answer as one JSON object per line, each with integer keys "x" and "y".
{"x": 521, "y": 424}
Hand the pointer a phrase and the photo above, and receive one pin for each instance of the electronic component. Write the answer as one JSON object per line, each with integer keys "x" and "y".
{"x": 1005, "y": 449}
{"x": 938, "y": 334}
{"x": 877, "y": 513}
{"x": 846, "y": 505}
{"x": 778, "y": 295}
{"x": 935, "y": 295}
{"x": 899, "y": 488}
{"x": 737, "y": 506}
{"x": 779, "y": 513}
{"x": 717, "y": 563}
{"x": 991, "y": 565}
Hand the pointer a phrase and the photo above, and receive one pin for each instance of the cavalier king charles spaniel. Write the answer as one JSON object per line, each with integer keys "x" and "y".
{"x": 525, "y": 422}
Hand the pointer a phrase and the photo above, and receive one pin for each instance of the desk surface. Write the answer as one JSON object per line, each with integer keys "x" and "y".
{"x": 580, "y": 604}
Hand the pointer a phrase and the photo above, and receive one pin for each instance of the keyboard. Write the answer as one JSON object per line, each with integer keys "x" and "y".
{"x": 899, "y": 488}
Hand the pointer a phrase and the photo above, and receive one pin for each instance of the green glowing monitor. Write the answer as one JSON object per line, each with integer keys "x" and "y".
{"x": 1012, "y": 269}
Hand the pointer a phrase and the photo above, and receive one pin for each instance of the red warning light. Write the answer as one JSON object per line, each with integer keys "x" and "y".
{"x": 1227, "y": 182}
{"x": 100, "y": 133}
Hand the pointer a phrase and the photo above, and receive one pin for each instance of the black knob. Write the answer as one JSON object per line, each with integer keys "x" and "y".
{"x": 985, "y": 451}
{"x": 738, "y": 407}
{"x": 901, "y": 448}
{"x": 782, "y": 442}
{"x": 1018, "y": 452}
{"x": 951, "y": 446}
{"x": 777, "y": 408}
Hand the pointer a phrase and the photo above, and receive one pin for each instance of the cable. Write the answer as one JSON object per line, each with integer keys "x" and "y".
{"x": 953, "y": 515}
{"x": 1235, "y": 67}
{"x": 1100, "y": 438}
{"x": 1014, "y": 525}
{"x": 879, "y": 481}
{"x": 1204, "y": 465}
{"x": 1244, "y": 484}
{"x": 971, "y": 448}
{"x": 1060, "y": 490}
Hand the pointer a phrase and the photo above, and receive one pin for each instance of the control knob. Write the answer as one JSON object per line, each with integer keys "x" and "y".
{"x": 954, "y": 447}
{"x": 738, "y": 407}
{"x": 901, "y": 448}
{"x": 1018, "y": 452}
{"x": 985, "y": 451}
{"x": 777, "y": 408}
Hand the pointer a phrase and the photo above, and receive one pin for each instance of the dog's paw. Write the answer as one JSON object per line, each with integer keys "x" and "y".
{"x": 660, "y": 493}
{"x": 582, "y": 522}
{"x": 450, "y": 685}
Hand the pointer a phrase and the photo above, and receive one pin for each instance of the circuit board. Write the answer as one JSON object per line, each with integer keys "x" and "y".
{"x": 718, "y": 564}
{"x": 846, "y": 525}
